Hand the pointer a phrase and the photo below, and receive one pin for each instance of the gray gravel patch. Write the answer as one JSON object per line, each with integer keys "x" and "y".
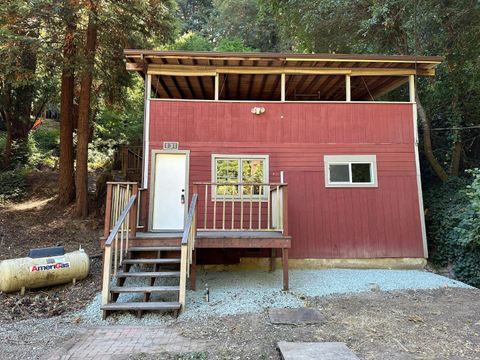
{"x": 253, "y": 291}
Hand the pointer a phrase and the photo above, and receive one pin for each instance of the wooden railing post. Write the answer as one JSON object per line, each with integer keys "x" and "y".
{"x": 183, "y": 277}
{"x": 195, "y": 191}
{"x": 285, "y": 210}
{"x": 134, "y": 213}
{"x": 108, "y": 209}
{"x": 107, "y": 273}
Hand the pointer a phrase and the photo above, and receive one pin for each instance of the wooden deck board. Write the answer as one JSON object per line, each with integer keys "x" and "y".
{"x": 224, "y": 239}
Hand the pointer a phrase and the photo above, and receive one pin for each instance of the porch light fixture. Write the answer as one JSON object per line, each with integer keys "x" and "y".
{"x": 257, "y": 110}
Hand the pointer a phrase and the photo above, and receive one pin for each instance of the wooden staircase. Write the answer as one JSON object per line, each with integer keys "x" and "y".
{"x": 163, "y": 269}
{"x": 157, "y": 264}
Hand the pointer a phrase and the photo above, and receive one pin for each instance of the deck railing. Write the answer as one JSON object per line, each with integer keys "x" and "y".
{"x": 242, "y": 206}
{"x": 116, "y": 245}
{"x": 131, "y": 158}
{"x": 118, "y": 195}
{"x": 187, "y": 248}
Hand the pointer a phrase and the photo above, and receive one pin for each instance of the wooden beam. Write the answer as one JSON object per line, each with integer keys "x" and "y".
{"x": 190, "y": 87}
{"x": 262, "y": 86}
{"x": 195, "y": 70}
{"x": 162, "y": 84}
{"x": 282, "y": 87}
{"x": 134, "y": 67}
{"x": 395, "y": 84}
{"x": 237, "y": 90}
{"x": 177, "y": 87}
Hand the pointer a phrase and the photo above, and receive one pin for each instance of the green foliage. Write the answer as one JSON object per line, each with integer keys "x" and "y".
{"x": 12, "y": 184}
{"x": 194, "y": 15}
{"x": 191, "y": 42}
{"x": 453, "y": 226}
{"x": 233, "y": 45}
{"x": 47, "y": 140}
{"x": 246, "y": 20}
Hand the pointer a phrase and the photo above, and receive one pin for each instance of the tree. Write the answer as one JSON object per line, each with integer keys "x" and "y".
{"x": 246, "y": 20}
{"x": 191, "y": 42}
{"x": 233, "y": 45}
{"x": 83, "y": 128}
{"x": 18, "y": 81}
{"x": 66, "y": 183}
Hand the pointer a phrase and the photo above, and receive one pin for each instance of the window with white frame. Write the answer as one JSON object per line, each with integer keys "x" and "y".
{"x": 350, "y": 170}
{"x": 233, "y": 170}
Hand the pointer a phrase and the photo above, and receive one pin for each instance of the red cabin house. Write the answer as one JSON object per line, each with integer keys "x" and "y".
{"x": 307, "y": 157}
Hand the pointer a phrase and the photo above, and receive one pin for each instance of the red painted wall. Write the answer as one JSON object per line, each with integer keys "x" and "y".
{"x": 324, "y": 222}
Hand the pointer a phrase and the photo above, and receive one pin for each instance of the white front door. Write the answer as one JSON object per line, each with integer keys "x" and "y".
{"x": 169, "y": 193}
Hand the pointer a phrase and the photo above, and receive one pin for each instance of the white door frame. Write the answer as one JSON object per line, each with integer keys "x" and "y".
{"x": 152, "y": 183}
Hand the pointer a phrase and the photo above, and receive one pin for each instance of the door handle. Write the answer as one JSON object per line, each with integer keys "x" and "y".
{"x": 182, "y": 198}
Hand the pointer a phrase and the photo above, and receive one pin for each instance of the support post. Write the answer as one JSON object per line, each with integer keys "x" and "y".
{"x": 285, "y": 210}
{"x": 133, "y": 212}
{"x": 272, "y": 259}
{"x": 217, "y": 86}
{"x": 183, "y": 277}
{"x": 107, "y": 273}
{"x": 411, "y": 88}
{"x": 193, "y": 274}
{"x": 285, "y": 268}
{"x": 348, "y": 88}
{"x": 108, "y": 210}
{"x": 282, "y": 87}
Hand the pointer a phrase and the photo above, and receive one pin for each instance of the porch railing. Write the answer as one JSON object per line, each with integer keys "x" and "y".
{"x": 242, "y": 206}
{"x": 187, "y": 248}
{"x": 116, "y": 245}
{"x": 131, "y": 158}
{"x": 118, "y": 195}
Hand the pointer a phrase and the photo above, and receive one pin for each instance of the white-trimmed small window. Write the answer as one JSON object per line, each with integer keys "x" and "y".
{"x": 350, "y": 170}
{"x": 232, "y": 170}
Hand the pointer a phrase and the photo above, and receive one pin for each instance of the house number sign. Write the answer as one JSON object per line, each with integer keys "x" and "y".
{"x": 170, "y": 145}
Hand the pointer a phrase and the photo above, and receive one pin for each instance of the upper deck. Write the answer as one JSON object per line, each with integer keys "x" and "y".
{"x": 213, "y": 76}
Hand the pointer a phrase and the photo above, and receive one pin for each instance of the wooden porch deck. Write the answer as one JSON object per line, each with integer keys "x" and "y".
{"x": 219, "y": 239}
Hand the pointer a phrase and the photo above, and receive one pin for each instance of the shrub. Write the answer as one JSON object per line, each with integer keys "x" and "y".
{"x": 453, "y": 226}
{"x": 12, "y": 184}
{"x": 47, "y": 140}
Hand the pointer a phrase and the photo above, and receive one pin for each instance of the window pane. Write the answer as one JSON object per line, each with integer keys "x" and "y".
{"x": 227, "y": 172}
{"x": 339, "y": 173}
{"x": 252, "y": 172}
{"x": 361, "y": 173}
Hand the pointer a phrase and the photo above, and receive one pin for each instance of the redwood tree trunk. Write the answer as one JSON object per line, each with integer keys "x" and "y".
{"x": 81, "y": 206}
{"x": 66, "y": 183}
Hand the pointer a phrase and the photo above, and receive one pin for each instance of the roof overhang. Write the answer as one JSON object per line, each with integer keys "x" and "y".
{"x": 384, "y": 72}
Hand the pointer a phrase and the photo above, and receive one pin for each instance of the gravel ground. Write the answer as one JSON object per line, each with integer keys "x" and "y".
{"x": 234, "y": 293}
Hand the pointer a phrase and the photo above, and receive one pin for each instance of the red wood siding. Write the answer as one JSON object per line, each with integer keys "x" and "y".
{"x": 324, "y": 222}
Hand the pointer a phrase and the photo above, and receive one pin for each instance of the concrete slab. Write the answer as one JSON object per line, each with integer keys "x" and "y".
{"x": 315, "y": 351}
{"x": 300, "y": 316}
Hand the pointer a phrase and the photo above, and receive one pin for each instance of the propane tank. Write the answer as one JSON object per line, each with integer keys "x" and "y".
{"x": 29, "y": 273}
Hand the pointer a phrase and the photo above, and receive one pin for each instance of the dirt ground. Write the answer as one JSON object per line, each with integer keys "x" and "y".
{"x": 39, "y": 222}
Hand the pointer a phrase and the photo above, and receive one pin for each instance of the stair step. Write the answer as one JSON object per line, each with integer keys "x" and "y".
{"x": 149, "y": 274}
{"x": 143, "y": 289}
{"x": 151, "y": 261}
{"x": 155, "y": 248}
{"x": 157, "y": 306}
